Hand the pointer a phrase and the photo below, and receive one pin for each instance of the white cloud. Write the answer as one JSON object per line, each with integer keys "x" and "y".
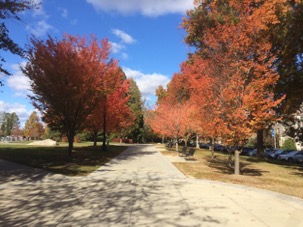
{"x": 63, "y": 12}
{"x": 74, "y": 22}
{"x": 19, "y": 82}
{"x": 124, "y": 56}
{"x": 149, "y": 8}
{"x": 125, "y": 38}
{"x": 20, "y": 109}
{"x": 40, "y": 10}
{"x": 39, "y": 29}
{"x": 116, "y": 47}
{"x": 147, "y": 83}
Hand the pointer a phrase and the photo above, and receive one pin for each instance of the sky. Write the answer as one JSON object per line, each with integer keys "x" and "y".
{"x": 145, "y": 35}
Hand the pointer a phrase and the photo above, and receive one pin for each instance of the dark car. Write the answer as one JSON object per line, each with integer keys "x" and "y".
{"x": 246, "y": 150}
{"x": 276, "y": 156}
{"x": 220, "y": 148}
{"x": 204, "y": 145}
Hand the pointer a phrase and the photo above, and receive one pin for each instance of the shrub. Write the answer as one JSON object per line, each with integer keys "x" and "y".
{"x": 289, "y": 144}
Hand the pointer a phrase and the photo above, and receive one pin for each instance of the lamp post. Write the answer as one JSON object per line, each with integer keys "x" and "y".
{"x": 104, "y": 147}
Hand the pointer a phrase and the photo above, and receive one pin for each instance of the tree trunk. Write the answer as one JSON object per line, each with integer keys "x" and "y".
{"x": 237, "y": 162}
{"x": 95, "y": 135}
{"x": 70, "y": 144}
{"x": 260, "y": 144}
{"x": 107, "y": 141}
{"x": 185, "y": 142}
{"x": 197, "y": 140}
{"x": 177, "y": 146}
{"x": 230, "y": 159}
{"x": 162, "y": 139}
{"x": 212, "y": 148}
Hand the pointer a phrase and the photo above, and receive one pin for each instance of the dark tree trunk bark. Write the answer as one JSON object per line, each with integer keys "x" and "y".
{"x": 70, "y": 143}
{"x": 95, "y": 138}
{"x": 260, "y": 144}
{"x": 107, "y": 141}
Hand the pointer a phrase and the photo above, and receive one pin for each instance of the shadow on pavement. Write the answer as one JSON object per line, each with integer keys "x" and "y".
{"x": 10, "y": 171}
{"x": 110, "y": 197}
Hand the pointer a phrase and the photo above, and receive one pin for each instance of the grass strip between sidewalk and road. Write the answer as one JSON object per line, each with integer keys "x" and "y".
{"x": 274, "y": 175}
{"x": 85, "y": 157}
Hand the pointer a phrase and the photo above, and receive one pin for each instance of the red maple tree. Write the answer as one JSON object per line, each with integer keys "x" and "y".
{"x": 118, "y": 114}
{"x": 66, "y": 78}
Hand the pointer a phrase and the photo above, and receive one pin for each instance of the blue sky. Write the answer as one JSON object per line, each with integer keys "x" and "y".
{"x": 145, "y": 37}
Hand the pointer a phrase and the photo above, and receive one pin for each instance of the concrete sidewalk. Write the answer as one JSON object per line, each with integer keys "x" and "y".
{"x": 141, "y": 188}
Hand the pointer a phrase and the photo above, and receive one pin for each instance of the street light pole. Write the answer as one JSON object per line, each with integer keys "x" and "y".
{"x": 104, "y": 148}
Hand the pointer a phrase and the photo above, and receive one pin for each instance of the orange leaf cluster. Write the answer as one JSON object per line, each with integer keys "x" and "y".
{"x": 228, "y": 83}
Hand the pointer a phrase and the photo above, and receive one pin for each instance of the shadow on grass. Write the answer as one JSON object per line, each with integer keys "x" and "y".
{"x": 297, "y": 168}
{"x": 222, "y": 166}
{"x": 298, "y": 173}
{"x": 83, "y": 161}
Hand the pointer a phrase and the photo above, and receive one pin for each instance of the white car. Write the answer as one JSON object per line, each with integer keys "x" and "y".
{"x": 289, "y": 156}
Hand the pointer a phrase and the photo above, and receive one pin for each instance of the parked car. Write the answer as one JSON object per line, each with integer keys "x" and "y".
{"x": 273, "y": 154}
{"x": 246, "y": 150}
{"x": 280, "y": 152}
{"x": 252, "y": 152}
{"x": 204, "y": 145}
{"x": 268, "y": 151}
{"x": 298, "y": 157}
{"x": 219, "y": 147}
{"x": 288, "y": 157}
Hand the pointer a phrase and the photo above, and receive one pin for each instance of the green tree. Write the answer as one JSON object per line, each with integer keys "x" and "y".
{"x": 287, "y": 43}
{"x": 33, "y": 127}
{"x": 289, "y": 144}
{"x": 10, "y": 123}
{"x": 136, "y": 131}
{"x": 50, "y": 133}
{"x": 10, "y": 9}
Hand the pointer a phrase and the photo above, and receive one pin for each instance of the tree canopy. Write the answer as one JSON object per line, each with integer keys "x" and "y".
{"x": 33, "y": 127}
{"x": 229, "y": 82}
{"x": 68, "y": 77}
{"x": 10, "y": 124}
{"x": 9, "y": 9}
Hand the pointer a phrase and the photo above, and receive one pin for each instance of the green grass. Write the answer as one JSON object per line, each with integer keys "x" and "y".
{"x": 85, "y": 158}
{"x": 273, "y": 175}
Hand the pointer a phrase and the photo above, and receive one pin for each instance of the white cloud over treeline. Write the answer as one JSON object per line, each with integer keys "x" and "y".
{"x": 147, "y": 82}
{"x": 151, "y": 8}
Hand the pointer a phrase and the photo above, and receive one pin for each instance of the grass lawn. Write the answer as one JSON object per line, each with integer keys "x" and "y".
{"x": 85, "y": 158}
{"x": 273, "y": 175}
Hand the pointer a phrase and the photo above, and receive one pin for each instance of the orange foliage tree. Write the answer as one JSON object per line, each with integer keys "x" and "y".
{"x": 172, "y": 120}
{"x": 118, "y": 114}
{"x": 66, "y": 79}
{"x": 206, "y": 96}
{"x": 173, "y": 116}
{"x": 233, "y": 65}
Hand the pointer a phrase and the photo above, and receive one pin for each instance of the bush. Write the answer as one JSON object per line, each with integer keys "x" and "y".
{"x": 289, "y": 144}
{"x": 85, "y": 136}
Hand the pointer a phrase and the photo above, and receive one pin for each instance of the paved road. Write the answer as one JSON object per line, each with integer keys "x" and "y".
{"x": 138, "y": 188}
